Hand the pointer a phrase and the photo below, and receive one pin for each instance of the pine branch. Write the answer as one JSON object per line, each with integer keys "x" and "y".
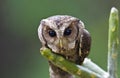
{"x": 113, "y": 42}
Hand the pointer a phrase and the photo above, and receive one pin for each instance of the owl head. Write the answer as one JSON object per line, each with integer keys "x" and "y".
{"x": 60, "y": 33}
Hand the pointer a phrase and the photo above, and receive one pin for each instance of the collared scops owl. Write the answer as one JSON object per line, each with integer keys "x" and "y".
{"x": 64, "y": 35}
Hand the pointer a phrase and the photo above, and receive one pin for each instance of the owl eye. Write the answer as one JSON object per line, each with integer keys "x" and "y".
{"x": 67, "y": 31}
{"x": 52, "y": 33}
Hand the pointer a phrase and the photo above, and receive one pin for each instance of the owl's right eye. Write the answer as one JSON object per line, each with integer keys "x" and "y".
{"x": 52, "y": 33}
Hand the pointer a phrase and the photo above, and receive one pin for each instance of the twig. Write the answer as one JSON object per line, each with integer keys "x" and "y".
{"x": 113, "y": 42}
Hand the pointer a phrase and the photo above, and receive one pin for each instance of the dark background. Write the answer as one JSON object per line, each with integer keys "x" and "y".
{"x": 19, "y": 43}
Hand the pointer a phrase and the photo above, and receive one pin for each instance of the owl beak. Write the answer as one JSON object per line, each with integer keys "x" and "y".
{"x": 61, "y": 43}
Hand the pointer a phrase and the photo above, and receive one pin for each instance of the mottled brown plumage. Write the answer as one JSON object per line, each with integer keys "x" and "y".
{"x": 65, "y": 35}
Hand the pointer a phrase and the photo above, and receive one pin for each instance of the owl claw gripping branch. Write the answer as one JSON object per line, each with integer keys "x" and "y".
{"x": 64, "y": 35}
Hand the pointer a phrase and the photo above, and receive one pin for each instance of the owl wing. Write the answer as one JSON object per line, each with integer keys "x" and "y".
{"x": 85, "y": 44}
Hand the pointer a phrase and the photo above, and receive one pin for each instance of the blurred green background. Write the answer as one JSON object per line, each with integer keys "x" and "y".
{"x": 19, "y": 43}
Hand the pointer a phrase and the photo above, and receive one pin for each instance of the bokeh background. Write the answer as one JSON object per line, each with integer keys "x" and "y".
{"x": 19, "y": 43}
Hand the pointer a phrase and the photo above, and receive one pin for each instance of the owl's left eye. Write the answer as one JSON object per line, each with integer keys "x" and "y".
{"x": 67, "y": 31}
{"x": 52, "y": 33}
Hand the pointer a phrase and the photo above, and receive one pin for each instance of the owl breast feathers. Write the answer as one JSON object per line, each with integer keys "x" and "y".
{"x": 65, "y": 35}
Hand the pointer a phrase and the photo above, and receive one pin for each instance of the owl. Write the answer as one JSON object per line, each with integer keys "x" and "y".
{"x": 64, "y": 35}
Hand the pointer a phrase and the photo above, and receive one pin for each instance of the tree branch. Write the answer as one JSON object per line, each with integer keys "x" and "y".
{"x": 95, "y": 68}
{"x": 85, "y": 71}
{"x": 113, "y": 42}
